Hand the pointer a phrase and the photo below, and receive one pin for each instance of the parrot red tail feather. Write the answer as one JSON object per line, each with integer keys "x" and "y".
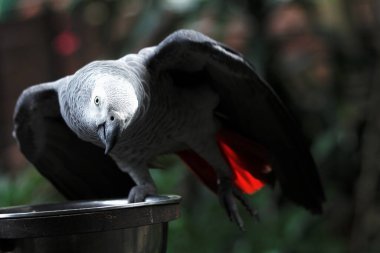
{"x": 247, "y": 160}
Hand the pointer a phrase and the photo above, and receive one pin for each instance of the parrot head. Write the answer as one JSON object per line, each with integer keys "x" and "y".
{"x": 113, "y": 103}
{"x": 104, "y": 101}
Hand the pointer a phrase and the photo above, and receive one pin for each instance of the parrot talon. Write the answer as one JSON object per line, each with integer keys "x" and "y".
{"x": 138, "y": 193}
{"x": 252, "y": 211}
{"x": 227, "y": 194}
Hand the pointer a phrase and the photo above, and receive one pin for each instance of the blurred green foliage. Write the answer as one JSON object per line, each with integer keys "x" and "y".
{"x": 29, "y": 187}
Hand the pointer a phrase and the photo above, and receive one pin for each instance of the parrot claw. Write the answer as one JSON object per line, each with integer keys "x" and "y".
{"x": 227, "y": 194}
{"x": 139, "y": 192}
{"x": 252, "y": 211}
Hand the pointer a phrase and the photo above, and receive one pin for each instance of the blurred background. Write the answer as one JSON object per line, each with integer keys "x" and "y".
{"x": 322, "y": 57}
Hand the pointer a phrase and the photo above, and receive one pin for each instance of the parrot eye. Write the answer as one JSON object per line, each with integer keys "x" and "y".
{"x": 97, "y": 100}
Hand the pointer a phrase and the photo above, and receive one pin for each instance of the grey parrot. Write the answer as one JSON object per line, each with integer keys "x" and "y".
{"x": 94, "y": 134}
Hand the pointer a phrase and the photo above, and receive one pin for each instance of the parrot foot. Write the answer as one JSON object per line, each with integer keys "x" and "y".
{"x": 227, "y": 193}
{"x": 139, "y": 192}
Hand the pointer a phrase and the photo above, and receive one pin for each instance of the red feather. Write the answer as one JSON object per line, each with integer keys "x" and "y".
{"x": 247, "y": 160}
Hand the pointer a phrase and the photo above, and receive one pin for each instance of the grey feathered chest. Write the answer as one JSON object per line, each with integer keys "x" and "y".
{"x": 174, "y": 115}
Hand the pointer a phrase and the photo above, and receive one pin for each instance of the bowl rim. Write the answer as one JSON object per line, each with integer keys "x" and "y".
{"x": 81, "y": 206}
{"x": 77, "y": 218}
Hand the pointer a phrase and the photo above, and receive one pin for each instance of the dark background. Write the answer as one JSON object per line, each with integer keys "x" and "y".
{"x": 322, "y": 57}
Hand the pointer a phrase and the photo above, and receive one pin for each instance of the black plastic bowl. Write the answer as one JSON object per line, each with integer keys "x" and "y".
{"x": 89, "y": 226}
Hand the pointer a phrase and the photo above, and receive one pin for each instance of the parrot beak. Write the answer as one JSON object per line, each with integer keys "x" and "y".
{"x": 109, "y": 132}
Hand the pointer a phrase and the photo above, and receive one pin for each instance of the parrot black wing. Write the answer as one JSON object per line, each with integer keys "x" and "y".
{"x": 78, "y": 169}
{"x": 248, "y": 104}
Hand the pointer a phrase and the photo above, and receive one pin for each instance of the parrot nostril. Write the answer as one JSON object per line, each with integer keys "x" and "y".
{"x": 112, "y": 118}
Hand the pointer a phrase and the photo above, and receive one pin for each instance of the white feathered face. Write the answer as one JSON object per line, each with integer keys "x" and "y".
{"x": 112, "y": 104}
{"x": 112, "y": 97}
{"x": 100, "y": 101}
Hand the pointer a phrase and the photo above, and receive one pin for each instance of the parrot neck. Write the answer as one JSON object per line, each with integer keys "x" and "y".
{"x": 138, "y": 78}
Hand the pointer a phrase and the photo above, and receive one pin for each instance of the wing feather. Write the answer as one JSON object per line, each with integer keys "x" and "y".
{"x": 78, "y": 169}
{"x": 248, "y": 104}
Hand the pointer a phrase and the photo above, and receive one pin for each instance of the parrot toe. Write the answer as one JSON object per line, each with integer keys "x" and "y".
{"x": 139, "y": 192}
{"x": 227, "y": 193}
